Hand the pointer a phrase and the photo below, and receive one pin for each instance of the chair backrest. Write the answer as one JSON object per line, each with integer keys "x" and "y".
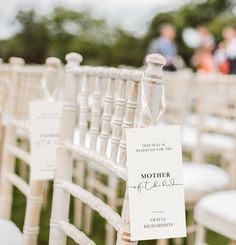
{"x": 101, "y": 123}
{"x": 177, "y": 95}
{"x": 25, "y": 86}
{"x": 4, "y": 82}
{"x": 216, "y": 111}
{"x": 4, "y": 89}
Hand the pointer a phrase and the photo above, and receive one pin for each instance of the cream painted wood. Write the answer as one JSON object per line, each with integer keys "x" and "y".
{"x": 177, "y": 94}
{"x": 216, "y": 106}
{"x": 214, "y": 97}
{"x": 37, "y": 188}
{"x": 8, "y": 159}
{"x": 113, "y": 181}
{"x": 26, "y": 85}
{"x": 83, "y": 126}
{"x": 4, "y": 89}
{"x": 179, "y": 87}
{"x": 94, "y": 130}
{"x": 111, "y": 190}
{"x": 115, "y": 161}
{"x": 113, "y": 122}
{"x": 64, "y": 162}
{"x": 200, "y": 235}
{"x": 216, "y": 212}
{"x": 216, "y": 111}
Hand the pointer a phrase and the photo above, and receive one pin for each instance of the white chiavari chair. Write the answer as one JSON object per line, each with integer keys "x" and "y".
{"x": 4, "y": 89}
{"x": 26, "y": 84}
{"x": 4, "y": 84}
{"x": 177, "y": 107}
{"x": 216, "y": 212}
{"x": 216, "y": 118}
{"x": 179, "y": 96}
{"x": 106, "y": 127}
{"x": 215, "y": 122}
{"x": 102, "y": 100}
{"x": 216, "y": 105}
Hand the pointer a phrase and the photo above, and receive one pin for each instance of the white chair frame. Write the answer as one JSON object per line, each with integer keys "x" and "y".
{"x": 25, "y": 86}
{"x": 123, "y": 117}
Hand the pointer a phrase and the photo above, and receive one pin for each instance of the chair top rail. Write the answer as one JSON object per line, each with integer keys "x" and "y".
{"x": 30, "y": 69}
{"x": 215, "y": 77}
{"x": 95, "y": 203}
{"x": 113, "y": 73}
{"x": 5, "y": 68}
{"x": 74, "y": 233}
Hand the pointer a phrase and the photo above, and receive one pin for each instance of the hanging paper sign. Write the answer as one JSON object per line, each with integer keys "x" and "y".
{"x": 155, "y": 183}
{"x": 44, "y": 132}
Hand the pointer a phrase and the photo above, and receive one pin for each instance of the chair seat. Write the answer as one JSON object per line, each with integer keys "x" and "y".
{"x": 10, "y": 233}
{"x": 218, "y": 141}
{"x": 217, "y": 212}
{"x": 212, "y": 121}
{"x": 201, "y": 179}
{"x": 222, "y": 142}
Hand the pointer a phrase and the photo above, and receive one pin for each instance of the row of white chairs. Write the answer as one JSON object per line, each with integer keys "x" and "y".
{"x": 95, "y": 134}
{"x": 22, "y": 84}
{"x": 206, "y": 105}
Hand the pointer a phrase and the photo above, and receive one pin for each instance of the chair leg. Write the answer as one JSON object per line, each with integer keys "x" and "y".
{"x": 162, "y": 242}
{"x": 2, "y": 131}
{"x": 33, "y": 213}
{"x": 88, "y": 210}
{"x": 191, "y": 228}
{"x": 112, "y": 202}
{"x": 178, "y": 241}
{"x": 200, "y": 235}
{"x": 8, "y": 166}
{"x": 78, "y": 205}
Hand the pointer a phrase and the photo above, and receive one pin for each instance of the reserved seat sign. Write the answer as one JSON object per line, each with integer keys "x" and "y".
{"x": 155, "y": 183}
{"x": 44, "y": 133}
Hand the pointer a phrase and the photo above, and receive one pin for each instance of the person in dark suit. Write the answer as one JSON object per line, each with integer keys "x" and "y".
{"x": 165, "y": 45}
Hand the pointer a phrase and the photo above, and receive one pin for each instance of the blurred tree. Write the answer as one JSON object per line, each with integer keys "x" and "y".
{"x": 126, "y": 50}
{"x": 33, "y": 39}
{"x": 31, "y": 42}
{"x": 79, "y": 32}
{"x": 92, "y": 38}
{"x": 65, "y": 31}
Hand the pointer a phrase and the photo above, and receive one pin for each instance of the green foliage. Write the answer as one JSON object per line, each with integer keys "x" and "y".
{"x": 32, "y": 41}
{"x": 64, "y": 31}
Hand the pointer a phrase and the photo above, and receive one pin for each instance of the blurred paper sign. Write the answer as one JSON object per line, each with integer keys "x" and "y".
{"x": 44, "y": 133}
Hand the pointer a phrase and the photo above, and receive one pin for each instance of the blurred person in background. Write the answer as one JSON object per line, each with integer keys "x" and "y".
{"x": 220, "y": 58}
{"x": 166, "y": 46}
{"x": 203, "y": 59}
{"x": 229, "y": 35}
